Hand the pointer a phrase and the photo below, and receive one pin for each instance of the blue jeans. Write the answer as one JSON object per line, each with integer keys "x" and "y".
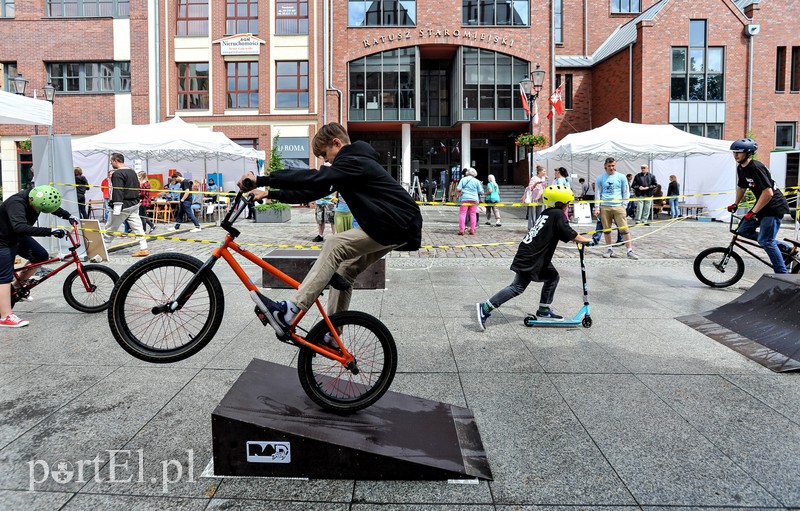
{"x": 673, "y": 207}
{"x": 186, "y": 211}
{"x": 765, "y": 232}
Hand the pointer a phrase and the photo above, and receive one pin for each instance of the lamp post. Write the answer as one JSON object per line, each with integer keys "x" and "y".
{"x": 19, "y": 83}
{"x": 532, "y": 86}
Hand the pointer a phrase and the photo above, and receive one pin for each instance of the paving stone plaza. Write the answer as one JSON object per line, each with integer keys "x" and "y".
{"x": 637, "y": 412}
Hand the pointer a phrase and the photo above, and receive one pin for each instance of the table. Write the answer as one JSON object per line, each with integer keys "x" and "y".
{"x": 694, "y": 210}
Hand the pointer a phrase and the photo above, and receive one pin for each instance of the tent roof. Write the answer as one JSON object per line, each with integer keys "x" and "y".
{"x": 174, "y": 140}
{"x": 16, "y": 109}
{"x": 630, "y": 141}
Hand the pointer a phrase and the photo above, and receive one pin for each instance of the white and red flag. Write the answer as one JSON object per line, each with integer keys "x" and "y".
{"x": 525, "y": 105}
{"x": 555, "y": 100}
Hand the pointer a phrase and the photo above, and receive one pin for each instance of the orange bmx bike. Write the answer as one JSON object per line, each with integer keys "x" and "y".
{"x": 168, "y": 306}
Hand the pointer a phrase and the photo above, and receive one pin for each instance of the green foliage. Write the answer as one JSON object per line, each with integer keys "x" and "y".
{"x": 531, "y": 140}
{"x": 275, "y": 158}
{"x": 752, "y": 135}
{"x": 749, "y": 198}
{"x": 271, "y": 205}
{"x": 25, "y": 145}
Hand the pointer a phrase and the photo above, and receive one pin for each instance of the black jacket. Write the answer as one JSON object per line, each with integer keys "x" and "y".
{"x": 641, "y": 179}
{"x": 383, "y": 209}
{"x": 81, "y": 185}
{"x": 17, "y": 217}
{"x": 125, "y": 187}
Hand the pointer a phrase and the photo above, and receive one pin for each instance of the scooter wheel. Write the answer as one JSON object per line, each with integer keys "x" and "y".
{"x": 586, "y": 322}
{"x": 529, "y": 320}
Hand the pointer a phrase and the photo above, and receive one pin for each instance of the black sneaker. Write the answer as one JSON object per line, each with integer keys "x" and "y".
{"x": 483, "y": 315}
{"x": 318, "y": 239}
{"x": 547, "y": 314}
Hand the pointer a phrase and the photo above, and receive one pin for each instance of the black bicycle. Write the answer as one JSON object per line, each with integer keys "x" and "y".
{"x": 722, "y": 267}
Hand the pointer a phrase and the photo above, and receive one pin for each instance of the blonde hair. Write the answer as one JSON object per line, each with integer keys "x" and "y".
{"x": 673, "y": 178}
{"x": 491, "y": 178}
{"x": 326, "y": 134}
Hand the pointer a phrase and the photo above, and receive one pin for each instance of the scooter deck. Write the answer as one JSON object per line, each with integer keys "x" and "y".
{"x": 533, "y": 321}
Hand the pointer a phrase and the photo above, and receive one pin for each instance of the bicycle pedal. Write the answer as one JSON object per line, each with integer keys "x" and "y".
{"x": 261, "y": 316}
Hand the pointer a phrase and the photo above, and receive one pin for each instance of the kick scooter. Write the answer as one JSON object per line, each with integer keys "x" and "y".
{"x": 581, "y": 318}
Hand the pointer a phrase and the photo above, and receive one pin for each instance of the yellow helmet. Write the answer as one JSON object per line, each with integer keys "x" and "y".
{"x": 554, "y": 194}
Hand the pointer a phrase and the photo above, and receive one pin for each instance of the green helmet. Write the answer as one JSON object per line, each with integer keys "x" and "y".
{"x": 44, "y": 199}
{"x": 554, "y": 194}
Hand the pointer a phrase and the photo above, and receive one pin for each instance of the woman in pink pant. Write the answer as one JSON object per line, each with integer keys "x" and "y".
{"x": 469, "y": 190}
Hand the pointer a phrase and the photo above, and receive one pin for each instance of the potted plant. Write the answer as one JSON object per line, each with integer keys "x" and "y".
{"x": 273, "y": 212}
{"x": 531, "y": 140}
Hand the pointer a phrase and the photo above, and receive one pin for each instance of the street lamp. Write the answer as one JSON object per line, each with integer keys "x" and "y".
{"x": 20, "y": 84}
{"x": 532, "y": 86}
{"x": 49, "y": 92}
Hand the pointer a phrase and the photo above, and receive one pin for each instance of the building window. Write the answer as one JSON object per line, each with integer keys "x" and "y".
{"x": 193, "y": 86}
{"x": 703, "y": 130}
{"x": 291, "y": 87}
{"x": 491, "y": 85}
{"x": 291, "y": 17}
{"x": 785, "y": 135}
{"x": 780, "y": 69}
{"x": 87, "y": 8}
{"x": 242, "y": 84}
{"x": 381, "y": 13}
{"x": 794, "y": 79}
{"x": 566, "y": 91}
{"x": 89, "y": 77}
{"x": 625, "y": 6}
{"x": 192, "y": 18}
{"x": 495, "y": 12}
{"x": 6, "y": 8}
{"x": 558, "y": 21}
{"x": 9, "y": 71}
{"x": 241, "y": 17}
{"x": 698, "y": 72}
{"x": 382, "y": 86}
{"x": 248, "y": 143}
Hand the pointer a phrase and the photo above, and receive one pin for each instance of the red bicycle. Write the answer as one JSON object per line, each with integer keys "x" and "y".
{"x": 87, "y": 289}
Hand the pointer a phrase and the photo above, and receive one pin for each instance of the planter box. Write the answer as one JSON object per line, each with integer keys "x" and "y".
{"x": 297, "y": 262}
{"x": 274, "y": 216}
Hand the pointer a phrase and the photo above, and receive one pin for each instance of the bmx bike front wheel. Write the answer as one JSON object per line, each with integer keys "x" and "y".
{"x": 712, "y": 269}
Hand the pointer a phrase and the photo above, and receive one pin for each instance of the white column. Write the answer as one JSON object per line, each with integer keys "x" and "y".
{"x": 405, "y": 139}
{"x": 466, "y": 149}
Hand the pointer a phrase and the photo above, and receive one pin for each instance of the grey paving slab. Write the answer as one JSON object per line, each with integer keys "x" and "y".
{"x": 246, "y": 505}
{"x": 10, "y": 372}
{"x": 422, "y": 346}
{"x": 660, "y": 457}
{"x": 568, "y": 508}
{"x": 759, "y": 439}
{"x": 39, "y": 501}
{"x": 284, "y": 491}
{"x": 442, "y": 387}
{"x": 420, "y": 493}
{"x": 38, "y": 395}
{"x": 474, "y": 351}
{"x": 103, "y": 418}
{"x": 538, "y": 450}
{"x": 570, "y": 351}
{"x": 94, "y": 502}
{"x": 779, "y": 391}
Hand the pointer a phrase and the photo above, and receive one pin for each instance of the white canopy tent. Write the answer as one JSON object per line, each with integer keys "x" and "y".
{"x": 702, "y": 165}
{"x": 16, "y": 109}
{"x": 156, "y": 148}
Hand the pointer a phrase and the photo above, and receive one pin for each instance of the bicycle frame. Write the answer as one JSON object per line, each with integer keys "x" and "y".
{"x": 71, "y": 258}
{"x": 743, "y": 243}
{"x": 225, "y": 251}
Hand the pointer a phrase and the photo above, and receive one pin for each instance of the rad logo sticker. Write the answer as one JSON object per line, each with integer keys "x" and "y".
{"x": 269, "y": 452}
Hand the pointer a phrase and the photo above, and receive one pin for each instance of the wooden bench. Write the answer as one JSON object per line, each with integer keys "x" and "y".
{"x": 297, "y": 262}
{"x": 694, "y": 210}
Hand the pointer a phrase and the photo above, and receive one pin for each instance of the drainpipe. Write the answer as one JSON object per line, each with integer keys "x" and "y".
{"x": 328, "y": 8}
{"x": 157, "y": 21}
{"x": 630, "y": 82}
{"x": 552, "y": 68}
{"x": 750, "y": 88}
{"x": 585, "y": 28}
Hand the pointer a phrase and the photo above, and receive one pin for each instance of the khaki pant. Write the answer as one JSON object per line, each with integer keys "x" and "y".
{"x": 347, "y": 253}
{"x": 131, "y": 214}
{"x": 615, "y": 213}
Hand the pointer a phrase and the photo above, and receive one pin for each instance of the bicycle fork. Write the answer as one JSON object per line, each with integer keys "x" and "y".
{"x": 188, "y": 291}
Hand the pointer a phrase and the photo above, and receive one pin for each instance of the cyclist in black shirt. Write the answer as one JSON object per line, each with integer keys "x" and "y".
{"x": 533, "y": 260}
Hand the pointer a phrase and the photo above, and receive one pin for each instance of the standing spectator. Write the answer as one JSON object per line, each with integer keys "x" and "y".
{"x": 469, "y": 190}
{"x": 770, "y": 207}
{"x": 630, "y": 209}
{"x": 145, "y": 201}
{"x": 185, "y": 207}
{"x": 81, "y": 185}
{"x": 324, "y": 214}
{"x": 125, "y": 203}
{"x": 584, "y": 192}
{"x": 613, "y": 197}
{"x": 562, "y": 177}
{"x": 644, "y": 185}
{"x": 673, "y": 191}
{"x": 533, "y": 193}
{"x": 105, "y": 188}
{"x": 492, "y": 198}
{"x": 197, "y": 199}
{"x": 342, "y": 217}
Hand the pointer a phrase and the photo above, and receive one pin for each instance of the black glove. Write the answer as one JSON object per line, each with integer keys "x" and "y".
{"x": 73, "y": 220}
{"x": 58, "y": 233}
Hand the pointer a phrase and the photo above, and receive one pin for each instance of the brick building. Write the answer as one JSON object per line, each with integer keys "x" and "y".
{"x": 432, "y": 85}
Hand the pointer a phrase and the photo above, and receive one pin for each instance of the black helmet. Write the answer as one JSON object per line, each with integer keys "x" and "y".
{"x": 745, "y": 145}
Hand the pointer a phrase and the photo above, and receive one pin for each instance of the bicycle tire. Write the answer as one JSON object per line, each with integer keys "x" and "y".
{"x": 166, "y": 336}
{"x": 707, "y": 270}
{"x": 99, "y": 298}
{"x": 335, "y": 388}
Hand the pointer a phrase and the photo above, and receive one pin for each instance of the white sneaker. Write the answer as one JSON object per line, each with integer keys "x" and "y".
{"x": 608, "y": 253}
{"x": 633, "y": 256}
{"x": 196, "y": 229}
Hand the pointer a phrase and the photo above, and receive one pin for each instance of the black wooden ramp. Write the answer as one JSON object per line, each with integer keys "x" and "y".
{"x": 266, "y": 426}
{"x": 763, "y": 323}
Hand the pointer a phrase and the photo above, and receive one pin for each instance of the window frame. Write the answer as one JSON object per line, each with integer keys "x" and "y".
{"x": 558, "y": 21}
{"x": 298, "y": 92}
{"x": 481, "y": 5}
{"x": 121, "y": 74}
{"x": 7, "y": 9}
{"x": 792, "y": 125}
{"x": 182, "y": 22}
{"x": 780, "y": 69}
{"x": 250, "y": 93}
{"x": 566, "y": 92}
{"x": 299, "y": 20}
{"x": 9, "y": 71}
{"x": 703, "y": 132}
{"x": 794, "y": 73}
{"x": 201, "y": 93}
{"x": 119, "y": 8}
{"x": 704, "y": 54}
{"x": 625, "y": 6}
{"x": 250, "y": 19}
{"x": 382, "y": 13}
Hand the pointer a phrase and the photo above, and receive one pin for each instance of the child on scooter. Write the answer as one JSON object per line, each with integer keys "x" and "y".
{"x": 533, "y": 260}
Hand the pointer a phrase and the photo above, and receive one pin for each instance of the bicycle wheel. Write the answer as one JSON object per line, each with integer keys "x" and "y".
{"x": 335, "y": 388}
{"x": 153, "y": 335}
{"x": 101, "y": 280}
{"x": 709, "y": 267}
